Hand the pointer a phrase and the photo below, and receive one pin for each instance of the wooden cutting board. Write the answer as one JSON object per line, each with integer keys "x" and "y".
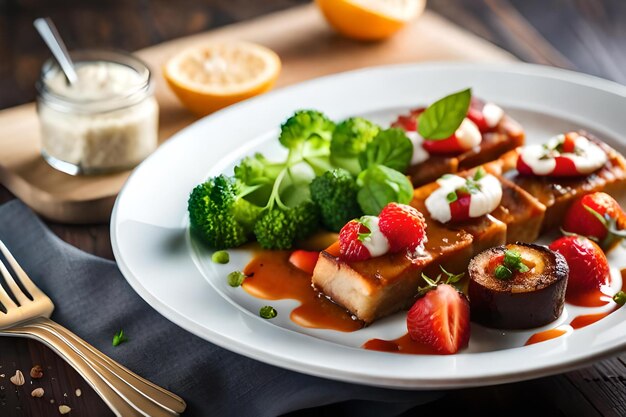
{"x": 308, "y": 49}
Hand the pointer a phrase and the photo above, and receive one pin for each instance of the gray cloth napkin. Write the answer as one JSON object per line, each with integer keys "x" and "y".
{"x": 93, "y": 300}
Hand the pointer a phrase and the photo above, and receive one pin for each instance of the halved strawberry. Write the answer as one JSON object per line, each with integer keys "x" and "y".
{"x": 460, "y": 208}
{"x": 304, "y": 260}
{"x": 564, "y": 167}
{"x": 440, "y": 319}
{"x": 569, "y": 142}
{"x": 351, "y": 248}
{"x": 588, "y": 266}
{"x": 597, "y": 216}
{"x": 475, "y": 114}
{"x": 403, "y": 226}
{"x": 408, "y": 122}
{"x": 450, "y": 145}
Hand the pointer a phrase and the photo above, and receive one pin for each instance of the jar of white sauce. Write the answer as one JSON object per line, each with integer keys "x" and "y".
{"x": 106, "y": 121}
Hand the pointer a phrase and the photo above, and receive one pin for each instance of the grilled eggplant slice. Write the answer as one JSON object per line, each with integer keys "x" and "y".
{"x": 525, "y": 300}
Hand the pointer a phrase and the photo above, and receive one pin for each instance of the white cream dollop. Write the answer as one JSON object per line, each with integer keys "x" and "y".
{"x": 419, "y": 153}
{"x": 376, "y": 243}
{"x": 485, "y": 200}
{"x": 468, "y": 134}
{"x": 492, "y": 114}
{"x": 488, "y": 198}
{"x": 437, "y": 203}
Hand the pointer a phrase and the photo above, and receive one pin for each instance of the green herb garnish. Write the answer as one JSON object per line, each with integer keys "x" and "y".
{"x": 236, "y": 278}
{"x": 513, "y": 260}
{"x": 366, "y": 221}
{"x": 268, "y": 312}
{"x": 502, "y": 272}
{"x": 512, "y": 263}
{"x": 452, "y": 197}
{"x": 620, "y": 298}
{"x": 220, "y": 257}
{"x": 442, "y": 118}
{"x": 479, "y": 174}
{"x": 431, "y": 284}
{"x": 380, "y": 185}
{"x": 119, "y": 337}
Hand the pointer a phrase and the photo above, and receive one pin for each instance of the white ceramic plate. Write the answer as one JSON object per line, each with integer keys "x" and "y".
{"x": 153, "y": 249}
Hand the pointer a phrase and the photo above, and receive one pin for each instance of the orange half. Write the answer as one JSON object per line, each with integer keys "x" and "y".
{"x": 209, "y": 77}
{"x": 370, "y": 19}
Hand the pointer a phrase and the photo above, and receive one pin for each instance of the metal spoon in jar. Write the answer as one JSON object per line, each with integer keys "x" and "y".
{"x": 51, "y": 37}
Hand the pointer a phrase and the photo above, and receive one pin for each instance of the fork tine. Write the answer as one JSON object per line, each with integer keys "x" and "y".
{"x": 6, "y": 301}
{"x": 13, "y": 287}
{"x": 23, "y": 277}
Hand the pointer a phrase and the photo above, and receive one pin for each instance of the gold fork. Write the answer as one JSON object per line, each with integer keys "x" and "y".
{"x": 126, "y": 393}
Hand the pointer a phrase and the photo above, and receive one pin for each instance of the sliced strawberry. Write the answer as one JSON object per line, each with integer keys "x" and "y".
{"x": 304, "y": 260}
{"x": 450, "y": 145}
{"x": 597, "y": 216}
{"x": 522, "y": 167}
{"x": 440, "y": 319}
{"x": 569, "y": 143}
{"x": 403, "y": 226}
{"x": 588, "y": 266}
{"x": 565, "y": 167}
{"x": 475, "y": 114}
{"x": 350, "y": 246}
{"x": 459, "y": 209}
{"x": 408, "y": 122}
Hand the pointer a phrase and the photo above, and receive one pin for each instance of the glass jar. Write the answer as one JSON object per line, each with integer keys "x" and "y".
{"x": 105, "y": 122}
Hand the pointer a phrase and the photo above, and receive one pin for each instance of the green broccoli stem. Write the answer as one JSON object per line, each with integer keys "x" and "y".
{"x": 275, "y": 195}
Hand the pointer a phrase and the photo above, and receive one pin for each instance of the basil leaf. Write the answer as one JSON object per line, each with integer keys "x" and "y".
{"x": 442, "y": 118}
{"x": 380, "y": 185}
{"x": 391, "y": 148}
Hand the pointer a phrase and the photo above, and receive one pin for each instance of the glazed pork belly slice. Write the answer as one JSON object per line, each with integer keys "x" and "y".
{"x": 518, "y": 218}
{"x": 521, "y": 212}
{"x": 506, "y": 136}
{"x": 380, "y": 286}
{"x": 557, "y": 194}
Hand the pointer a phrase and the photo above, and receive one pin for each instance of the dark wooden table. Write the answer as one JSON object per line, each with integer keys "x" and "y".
{"x": 584, "y": 35}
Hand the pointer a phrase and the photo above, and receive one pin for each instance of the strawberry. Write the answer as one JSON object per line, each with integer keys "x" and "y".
{"x": 408, "y": 122}
{"x": 597, "y": 216}
{"x": 440, "y": 319}
{"x": 403, "y": 226}
{"x": 588, "y": 266}
{"x": 351, "y": 248}
{"x": 450, "y": 145}
{"x": 475, "y": 114}
{"x": 304, "y": 260}
{"x": 459, "y": 208}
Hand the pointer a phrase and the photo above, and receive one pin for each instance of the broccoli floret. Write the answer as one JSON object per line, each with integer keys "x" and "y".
{"x": 269, "y": 199}
{"x": 278, "y": 228}
{"x": 335, "y": 194}
{"x": 349, "y": 139}
{"x": 306, "y": 218}
{"x": 303, "y": 125}
{"x": 275, "y": 230}
{"x": 219, "y": 215}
